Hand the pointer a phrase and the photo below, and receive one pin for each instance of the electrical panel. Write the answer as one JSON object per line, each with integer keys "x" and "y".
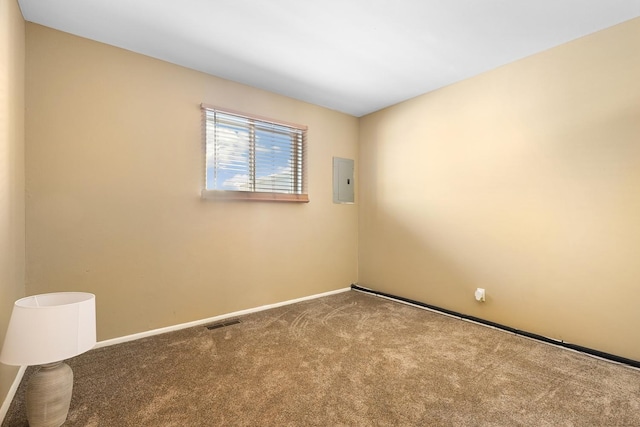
{"x": 343, "y": 180}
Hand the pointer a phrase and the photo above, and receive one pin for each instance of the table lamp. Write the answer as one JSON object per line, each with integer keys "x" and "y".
{"x": 45, "y": 330}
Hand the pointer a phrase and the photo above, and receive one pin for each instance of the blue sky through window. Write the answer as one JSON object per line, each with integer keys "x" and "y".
{"x": 244, "y": 156}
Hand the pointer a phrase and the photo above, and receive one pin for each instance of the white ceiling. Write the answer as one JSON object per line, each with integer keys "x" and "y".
{"x": 354, "y": 56}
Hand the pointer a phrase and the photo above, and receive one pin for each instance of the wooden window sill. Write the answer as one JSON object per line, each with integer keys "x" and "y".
{"x": 254, "y": 196}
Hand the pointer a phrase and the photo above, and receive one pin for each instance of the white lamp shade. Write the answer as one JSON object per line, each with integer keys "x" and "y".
{"x": 49, "y": 328}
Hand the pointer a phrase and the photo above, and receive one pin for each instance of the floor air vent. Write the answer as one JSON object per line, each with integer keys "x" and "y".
{"x": 223, "y": 324}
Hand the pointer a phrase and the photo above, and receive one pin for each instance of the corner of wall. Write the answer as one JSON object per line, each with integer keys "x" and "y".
{"x": 12, "y": 137}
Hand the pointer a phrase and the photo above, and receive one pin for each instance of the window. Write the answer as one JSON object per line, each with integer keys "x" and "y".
{"x": 253, "y": 158}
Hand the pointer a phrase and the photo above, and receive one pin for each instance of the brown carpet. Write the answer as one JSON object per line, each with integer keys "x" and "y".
{"x": 350, "y": 359}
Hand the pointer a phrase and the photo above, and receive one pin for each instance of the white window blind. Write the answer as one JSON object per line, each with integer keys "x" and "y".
{"x": 249, "y": 157}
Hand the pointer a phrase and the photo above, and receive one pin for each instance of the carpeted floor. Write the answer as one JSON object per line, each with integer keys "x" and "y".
{"x": 349, "y": 359}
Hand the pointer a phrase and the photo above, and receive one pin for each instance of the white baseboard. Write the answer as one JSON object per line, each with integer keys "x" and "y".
{"x": 11, "y": 394}
{"x": 137, "y": 336}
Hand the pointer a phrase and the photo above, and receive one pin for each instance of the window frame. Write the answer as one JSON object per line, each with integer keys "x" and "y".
{"x": 299, "y": 175}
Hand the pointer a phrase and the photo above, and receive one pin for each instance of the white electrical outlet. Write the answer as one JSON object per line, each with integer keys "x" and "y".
{"x": 480, "y": 294}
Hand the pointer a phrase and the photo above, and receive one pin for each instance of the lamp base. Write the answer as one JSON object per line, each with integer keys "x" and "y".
{"x": 49, "y": 395}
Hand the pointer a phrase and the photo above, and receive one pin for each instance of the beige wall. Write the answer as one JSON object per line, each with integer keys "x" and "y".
{"x": 12, "y": 254}
{"x": 114, "y": 173}
{"x": 525, "y": 181}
